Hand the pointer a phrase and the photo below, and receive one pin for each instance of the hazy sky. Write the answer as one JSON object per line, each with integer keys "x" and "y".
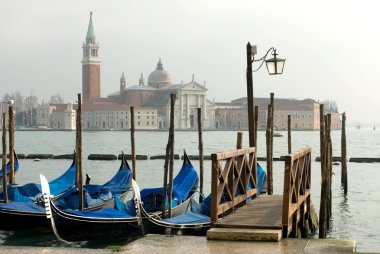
{"x": 331, "y": 47}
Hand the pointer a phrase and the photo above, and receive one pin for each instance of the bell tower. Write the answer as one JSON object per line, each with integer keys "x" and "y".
{"x": 90, "y": 66}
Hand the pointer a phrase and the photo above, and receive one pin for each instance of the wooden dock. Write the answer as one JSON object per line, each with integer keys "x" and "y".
{"x": 237, "y": 213}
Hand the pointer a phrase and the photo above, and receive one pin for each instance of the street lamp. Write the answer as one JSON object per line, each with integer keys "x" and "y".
{"x": 274, "y": 65}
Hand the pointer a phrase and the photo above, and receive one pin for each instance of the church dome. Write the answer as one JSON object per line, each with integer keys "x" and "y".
{"x": 159, "y": 78}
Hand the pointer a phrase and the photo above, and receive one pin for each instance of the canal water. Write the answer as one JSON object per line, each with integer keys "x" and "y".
{"x": 354, "y": 216}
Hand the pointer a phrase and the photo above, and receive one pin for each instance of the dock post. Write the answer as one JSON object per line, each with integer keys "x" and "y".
{"x": 133, "y": 147}
{"x": 171, "y": 155}
{"x": 256, "y": 125}
{"x": 11, "y": 143}
{"x": 329, "y": 168}
{"x": 79, "y": 153}
{"x": 323, "y": 200}
{"x": 239, "y": 141}
{"x": 200, "y": 147}
{"x": 344, "y": 155}
{"x": 268, "y": 146}
{"x": 165, "y": 185}
{"x": 289, "y": 134}
{"x": 250, "y": 97}
{"x": 4, "y": 158}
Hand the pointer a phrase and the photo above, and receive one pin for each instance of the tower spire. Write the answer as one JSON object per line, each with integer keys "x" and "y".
{"x": 90, "y": 37}
{"x": 159, "y": 65}
{"x": 141, "y": 80}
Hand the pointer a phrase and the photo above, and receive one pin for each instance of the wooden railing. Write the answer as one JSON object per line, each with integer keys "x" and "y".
{"x": 296, "y": 200}
{"x": 234, "y": 182}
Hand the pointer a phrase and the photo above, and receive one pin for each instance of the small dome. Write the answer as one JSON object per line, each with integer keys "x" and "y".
{"x": 159, "y": 78}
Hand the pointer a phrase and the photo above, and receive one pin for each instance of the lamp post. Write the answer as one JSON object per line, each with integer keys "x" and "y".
{"x": 274, "y": 65}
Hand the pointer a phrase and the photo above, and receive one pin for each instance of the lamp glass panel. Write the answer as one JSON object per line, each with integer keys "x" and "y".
{"x": 271, "y": 67}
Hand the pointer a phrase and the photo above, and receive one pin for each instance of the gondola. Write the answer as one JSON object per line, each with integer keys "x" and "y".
{"x": 195, "y": 222}
{"x": 27, "y": 211}
{"x": 99, "y": 196}
{"x": 185, "y": 184}
{"x": 8, "y": 167}
{"x": 123, "y": 220}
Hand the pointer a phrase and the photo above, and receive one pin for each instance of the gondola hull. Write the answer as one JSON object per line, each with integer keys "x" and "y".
{"x": 70, "y": 227}
{"x": 154, "y": 225}
{"x": 13, "y": 219}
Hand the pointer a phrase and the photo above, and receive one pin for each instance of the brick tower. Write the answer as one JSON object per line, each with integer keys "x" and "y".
{"x": 90, "y": 66}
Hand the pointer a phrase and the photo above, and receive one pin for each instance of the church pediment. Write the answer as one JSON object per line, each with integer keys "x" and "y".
{"x": 194, "y": 86}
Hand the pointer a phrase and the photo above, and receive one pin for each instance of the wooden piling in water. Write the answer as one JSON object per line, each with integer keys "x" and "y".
{"x": 289, "y": 134}
{"x": 79, "y": 153}
{"x": 171, "y": 155}
{"x": 255, "y": 127}
{"x": 11, "y": 131}
{"x": 200, "y": 148}
{"x": 250, "y": 97}
{"x": 165, "y": 184}
{"x": 324, "y": 185}
{"x": 133, "y": 147}
{"x": 268, "y": 150}
{"x": 329, "y": 167}
{"x": 239, "y": 140}
{"x": 4, "y": 158}
{"x": 344, "y": 155}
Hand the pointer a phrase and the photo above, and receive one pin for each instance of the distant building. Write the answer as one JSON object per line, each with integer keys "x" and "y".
{"x": 304, "y": 114}
{"x": 63, "y": 118}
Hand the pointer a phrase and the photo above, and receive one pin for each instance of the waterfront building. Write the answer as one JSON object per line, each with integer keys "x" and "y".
{"x": 304, "y": 114}
{"x": 63, "y": 118}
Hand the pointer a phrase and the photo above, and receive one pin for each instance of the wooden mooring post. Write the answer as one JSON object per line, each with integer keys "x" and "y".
{"x": 250, "y": 97}
{"x": 79, "y": 153}
{"x": 289, "y": 134}
{"x": 239, "y": 140}
{"x": 11, "y": 143}
{"x": 200, "y": 148}
{"x": 4, "y": 157}
{"x": 255, "y": 127}
{"x": 344, "y": 155}
{"x": 268, "y": 150}
{"x": 171, "y": 154}
{"x": 133, "y": 146}
{"x": 326, "y": 173}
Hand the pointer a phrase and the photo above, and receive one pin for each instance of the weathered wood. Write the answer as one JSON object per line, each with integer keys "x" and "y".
{"x": 11, "y": 144}
{"x": 102, "y": 157}
{"x": 268, "y": 150}
{"x": 250, "y": 96}
{"x": 133, "y": 146}
{"x": 200, "y": 147}
{"x": 323, "y": 217}
{"x": 289, "y": 134}
{"x": 344, "y": 155}
{"x": 79, "y": 153}
{"x": 230, "y": 154}
{"x": 4, "y": 157}
{"x": 166, "y": 171}
{"x": 239, "y": 141}
{"x": 329, "y": 167}
{"x": 297, "y": 185}
{"x": 171, "y": 154}
{"x": 235, "y": 182}
{"x": 256, "y": 124}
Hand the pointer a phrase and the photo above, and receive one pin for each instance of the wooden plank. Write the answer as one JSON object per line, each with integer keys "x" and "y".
{"x": 262, "y": 212}
{"x": 230, "y": 154}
